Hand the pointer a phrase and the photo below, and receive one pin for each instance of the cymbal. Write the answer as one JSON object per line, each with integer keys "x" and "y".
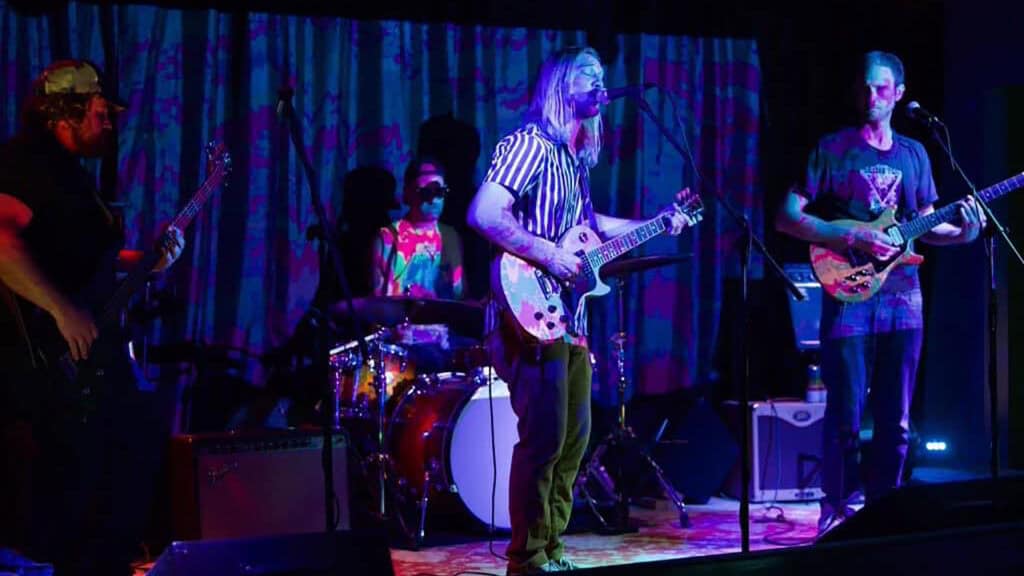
{"x": 629, "y": 265}
{"x": 462, "y": 316}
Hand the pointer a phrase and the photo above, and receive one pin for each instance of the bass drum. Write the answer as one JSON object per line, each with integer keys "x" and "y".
{"x": 440, "y": 438}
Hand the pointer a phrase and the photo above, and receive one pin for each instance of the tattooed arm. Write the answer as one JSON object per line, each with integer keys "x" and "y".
{"x": 490, "y": 214}
{"x": 793, "y": 219}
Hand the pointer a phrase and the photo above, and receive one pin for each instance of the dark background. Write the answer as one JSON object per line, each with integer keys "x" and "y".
{"x": 962, "y": 64}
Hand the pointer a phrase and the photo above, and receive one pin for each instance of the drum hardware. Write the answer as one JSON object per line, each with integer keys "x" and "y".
{"x": 404, "y": 477}
{"x": 622, "y": 437}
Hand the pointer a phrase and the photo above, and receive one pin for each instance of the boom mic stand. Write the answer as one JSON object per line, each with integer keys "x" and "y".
{"x": 749, "y": 240}
{"x": 320, "y": 346}
{"x": 992, "y": 373}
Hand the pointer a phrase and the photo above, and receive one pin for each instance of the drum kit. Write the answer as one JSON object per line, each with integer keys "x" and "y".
{"x": 432, "y": 429}
{"x": 435, "y": 428}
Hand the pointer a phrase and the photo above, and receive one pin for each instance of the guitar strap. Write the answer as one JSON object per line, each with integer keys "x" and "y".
{"x": 588, "y": 205}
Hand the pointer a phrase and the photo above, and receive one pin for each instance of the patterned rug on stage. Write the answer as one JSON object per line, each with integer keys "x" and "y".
{"x": 714, "y": 529}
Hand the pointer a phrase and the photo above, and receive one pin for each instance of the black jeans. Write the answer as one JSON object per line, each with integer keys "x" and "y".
{"x": 81, "y": 492}
{"x": 887, "y": 365}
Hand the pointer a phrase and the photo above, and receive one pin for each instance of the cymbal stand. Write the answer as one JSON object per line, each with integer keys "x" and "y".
{"x": 382, "y": 457}
{"x": 623, "y": 437}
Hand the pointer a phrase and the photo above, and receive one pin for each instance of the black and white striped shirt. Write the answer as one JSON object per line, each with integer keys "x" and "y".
{"x": 551, "y": 188}
{"x": 550, "y": 185}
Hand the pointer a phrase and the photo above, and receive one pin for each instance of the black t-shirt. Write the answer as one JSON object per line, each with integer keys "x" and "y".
{"x": 72, "y": 235}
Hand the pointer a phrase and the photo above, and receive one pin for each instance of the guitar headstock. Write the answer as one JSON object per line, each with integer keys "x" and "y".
{"x": 691, "y": 205}
{"x": 218, "y": 159}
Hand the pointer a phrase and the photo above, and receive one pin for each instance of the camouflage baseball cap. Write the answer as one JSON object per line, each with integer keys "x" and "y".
{"x": 74, "y": 77}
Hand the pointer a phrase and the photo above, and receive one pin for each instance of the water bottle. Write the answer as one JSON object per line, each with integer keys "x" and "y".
{"x": 816, "y": 392}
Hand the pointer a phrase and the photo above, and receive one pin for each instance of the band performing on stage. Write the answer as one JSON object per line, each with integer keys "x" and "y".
{"x": 459, "y": 412}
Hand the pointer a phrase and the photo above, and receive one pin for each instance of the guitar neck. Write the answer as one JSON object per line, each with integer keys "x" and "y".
{"x": 623, "y": 243}
{"x": 136, "y": 279}
{"x": 920, "y": 226}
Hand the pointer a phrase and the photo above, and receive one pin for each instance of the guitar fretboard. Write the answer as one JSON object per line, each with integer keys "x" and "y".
{"x": 920, "y": 226}
{"x": 137, "y": 277}
{"x": 623, "y": 243}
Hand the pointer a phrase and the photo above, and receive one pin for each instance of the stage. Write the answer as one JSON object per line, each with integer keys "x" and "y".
{"x": 714, "y": 529}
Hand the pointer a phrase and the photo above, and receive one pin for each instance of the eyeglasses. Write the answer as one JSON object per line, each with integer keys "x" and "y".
{"x": 429, "y": 193}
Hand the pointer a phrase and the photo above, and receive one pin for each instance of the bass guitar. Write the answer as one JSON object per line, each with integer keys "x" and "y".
{"x": 50, "y": 352}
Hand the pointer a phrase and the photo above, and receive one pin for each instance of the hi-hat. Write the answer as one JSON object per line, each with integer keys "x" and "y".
{"x": 629, "y": 265}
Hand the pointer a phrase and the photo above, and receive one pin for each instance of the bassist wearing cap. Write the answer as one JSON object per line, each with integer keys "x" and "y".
{"x": 867, "y": 194}
{"x": 80, "y": 467}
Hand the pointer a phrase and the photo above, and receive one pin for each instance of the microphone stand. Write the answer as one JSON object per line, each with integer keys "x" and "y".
{"x": 320, "y": 353}
{"x": 993, "y": 294}
{"x": 749, "y": 240}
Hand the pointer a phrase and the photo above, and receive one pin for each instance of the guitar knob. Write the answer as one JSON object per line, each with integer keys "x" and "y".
{"x": 551, "y": 325}
{"x": 538, "y": 315}
{"x": 552, "y": 308}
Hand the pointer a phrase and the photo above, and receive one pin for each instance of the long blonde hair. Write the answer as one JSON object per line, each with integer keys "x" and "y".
{"x": 553, "y": 110}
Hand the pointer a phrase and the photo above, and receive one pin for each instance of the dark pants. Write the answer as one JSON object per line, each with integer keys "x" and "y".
{"x": 550, "y": 393}
{"x": 887, "y": 364}
{"x": 79, "y": 492}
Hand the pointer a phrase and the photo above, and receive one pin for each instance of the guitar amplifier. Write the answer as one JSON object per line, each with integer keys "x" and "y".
{"x": 238, "y": 485}
{"x": 786, "y": 450}
{"x": 805, "y": 314}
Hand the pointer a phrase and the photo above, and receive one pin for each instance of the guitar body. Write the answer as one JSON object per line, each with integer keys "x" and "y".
{"x": 541, "y": 304}
{"x": 74, "y": 382}
{"x": 853, "y": 276}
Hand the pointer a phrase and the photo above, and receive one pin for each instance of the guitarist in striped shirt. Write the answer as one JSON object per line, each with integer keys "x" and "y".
{"x": 857, "y": 174}
{"x": 536, "y": 188}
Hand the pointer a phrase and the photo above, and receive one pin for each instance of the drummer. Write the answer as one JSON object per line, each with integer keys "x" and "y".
{"x": 418, "y": 256}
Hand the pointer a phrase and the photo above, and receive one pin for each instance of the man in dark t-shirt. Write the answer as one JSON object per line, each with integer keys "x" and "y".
{"x": 77, "y": 478}
{"x": 857, "y": 174}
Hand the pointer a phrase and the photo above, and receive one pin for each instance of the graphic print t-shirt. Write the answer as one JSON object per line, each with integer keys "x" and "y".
{"x": 848, "y": 179}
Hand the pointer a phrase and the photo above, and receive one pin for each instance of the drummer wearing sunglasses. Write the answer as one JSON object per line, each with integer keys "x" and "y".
{"x": 417, "y": 255}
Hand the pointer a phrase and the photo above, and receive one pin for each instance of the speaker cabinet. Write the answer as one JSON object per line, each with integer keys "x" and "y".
{"x": 230, "y": 485}
{"x": 786, "y": 450}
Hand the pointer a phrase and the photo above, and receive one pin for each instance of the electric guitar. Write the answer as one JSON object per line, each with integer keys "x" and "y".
{"x": 546, "y": 308}
{"x": 77, "y": 379}
{"x": 853, "y": 276}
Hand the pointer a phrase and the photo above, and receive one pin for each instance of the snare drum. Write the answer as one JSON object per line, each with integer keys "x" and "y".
{"x": 441, "y": 424}
{"x": 353, "y": 376}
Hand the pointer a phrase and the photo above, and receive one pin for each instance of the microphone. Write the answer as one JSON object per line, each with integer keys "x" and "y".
{"x": 915, "y": 112}
{"x": 631, "y": 91}
{"x": 284, "y": 100}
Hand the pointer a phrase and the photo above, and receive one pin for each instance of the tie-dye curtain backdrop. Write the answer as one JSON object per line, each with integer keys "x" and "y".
{"x": 362, "y": 88}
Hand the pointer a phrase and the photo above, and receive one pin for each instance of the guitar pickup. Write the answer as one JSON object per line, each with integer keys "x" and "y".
{"x": 547, "y": 285}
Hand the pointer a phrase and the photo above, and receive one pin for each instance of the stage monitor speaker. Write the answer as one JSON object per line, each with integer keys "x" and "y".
{"x": 240, "y": 485}
{"x": 935, "y": 507}
{"x": 315, "y": 554}
{"x": 786, "y": 450}
{"x": 696, "y": 453}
